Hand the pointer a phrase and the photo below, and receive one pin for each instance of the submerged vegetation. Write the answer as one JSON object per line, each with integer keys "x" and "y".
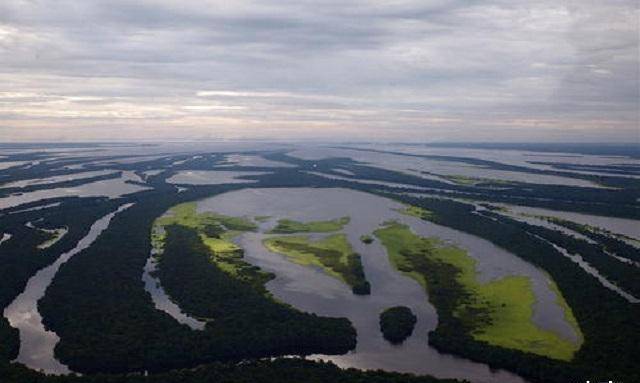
{"x": 288, "y": 226}
{"x": 332, "y": 254}
{"x": 497, "y": 312}
{"x": 397, "y": 323}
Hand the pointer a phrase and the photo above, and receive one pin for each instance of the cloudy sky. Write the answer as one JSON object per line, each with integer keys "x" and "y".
{"x": 405, "y": 70}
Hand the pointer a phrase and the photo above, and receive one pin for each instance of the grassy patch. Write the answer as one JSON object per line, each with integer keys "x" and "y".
{"x": 288, "y": 226}
{"x": 186, "y": 215}
{"x": 418, "y": 212}
{"x": 216, "y": 231}
{"x": 332, "y": 254}
{"x": 498, "y": 312}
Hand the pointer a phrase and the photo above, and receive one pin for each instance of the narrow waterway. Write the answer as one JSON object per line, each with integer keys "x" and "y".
{"x": 161, "y": 300}
{"x": 37, "y": 344}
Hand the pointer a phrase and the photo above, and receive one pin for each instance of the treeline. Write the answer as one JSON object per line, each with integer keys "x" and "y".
{"x": 243, "y": 316}
{"x": 351, "y": 271}
{"x": 290, "y": 370}
{"x": 397, "y": 323}
{"x": 611, "y": 348}
{"x": 107, "y": 322}
{"x": 607, "y": 240}
{"x": 606, "y": 180}
{"x": 4, "y": 192}
{"x": 622, "y": 169}
{"x": 20, "y": 257}
{"x": 620, "y": 202}
{"x": 625, "y": 276}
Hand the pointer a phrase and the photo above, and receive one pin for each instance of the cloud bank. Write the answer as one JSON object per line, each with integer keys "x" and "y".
{"x": 399, "y": 70}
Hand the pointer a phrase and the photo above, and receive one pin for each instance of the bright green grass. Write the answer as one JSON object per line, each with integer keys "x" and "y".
{"x": 186, "y": 215}
{"x": 217, "y": 232}
{"x": 311, "y": 252}
{"x": 333, "y": 254}
{"x": 288, "y": 226}
{"x": 418, "y": 212}
{"x": 508, "y": 302}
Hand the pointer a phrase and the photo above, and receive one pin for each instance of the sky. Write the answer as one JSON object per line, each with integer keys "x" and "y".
{"x": 338, "y": 70}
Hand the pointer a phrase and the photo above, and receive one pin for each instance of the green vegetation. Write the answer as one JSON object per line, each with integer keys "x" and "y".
{"x": 610, "y": 242}
{"x": 418, "y": 212}
{"x": 474, "y": 181}
{"x": 606, "y": 320}
{"x": 25, "y": 254}
{"x": 566, "y": 310}
{"x": 498, "y": 312}
{"x": 108, "y": 323}
{"x": 217, "y": 233}
{"x": 56, "y": 235}
{"x": 186, "y": 215}
{"x": 366, "y": 239}
{"x": 397, "y": 323}
{"x": 332, "y": 254}
{"x": 595, "y": 253}
{"x": 261, "y": 218}
{"x": 283, "y": 370}
{"x": 288, "y": 226}
{"x": 204, "y": 288}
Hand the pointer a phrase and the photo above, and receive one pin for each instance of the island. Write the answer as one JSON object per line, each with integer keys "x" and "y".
{"x": 397, "y": 323}
{"x": 332, "y": 254}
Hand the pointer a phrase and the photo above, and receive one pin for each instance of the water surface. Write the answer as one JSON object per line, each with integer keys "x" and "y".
{"x": 37, "y": 343}
{"x": 311, "y": 290}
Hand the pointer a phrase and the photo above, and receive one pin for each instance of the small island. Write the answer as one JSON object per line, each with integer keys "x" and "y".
{"x": 289, "y": 226}
{"x": 366, "y": 239}
{"x": 333, "y": 254}
{"x": 397, "y": 324}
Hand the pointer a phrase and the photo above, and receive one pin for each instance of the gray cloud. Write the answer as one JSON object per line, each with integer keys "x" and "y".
{"x": 402, "y": 70}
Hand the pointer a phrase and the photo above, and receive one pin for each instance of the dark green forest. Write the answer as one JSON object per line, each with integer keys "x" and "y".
{"x": 110, "y": 331}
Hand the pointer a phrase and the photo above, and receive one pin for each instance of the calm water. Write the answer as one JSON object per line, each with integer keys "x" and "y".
{"x": 36, "y": 343}
{"x": 628, "y": 227}
{"x": 313, "y": 291}
{"x": 439, "y": 167}
{"x": 111, "y": 188}
{"x": 160, "y": 299}
{"x": 211, "y": 177}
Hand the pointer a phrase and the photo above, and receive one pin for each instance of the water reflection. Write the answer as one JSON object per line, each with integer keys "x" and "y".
{"x": 37, "y": 343}
{"x": 313, "y": 291}
{"x": 211, "y": 177}
{"x": 160, "y": 299}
